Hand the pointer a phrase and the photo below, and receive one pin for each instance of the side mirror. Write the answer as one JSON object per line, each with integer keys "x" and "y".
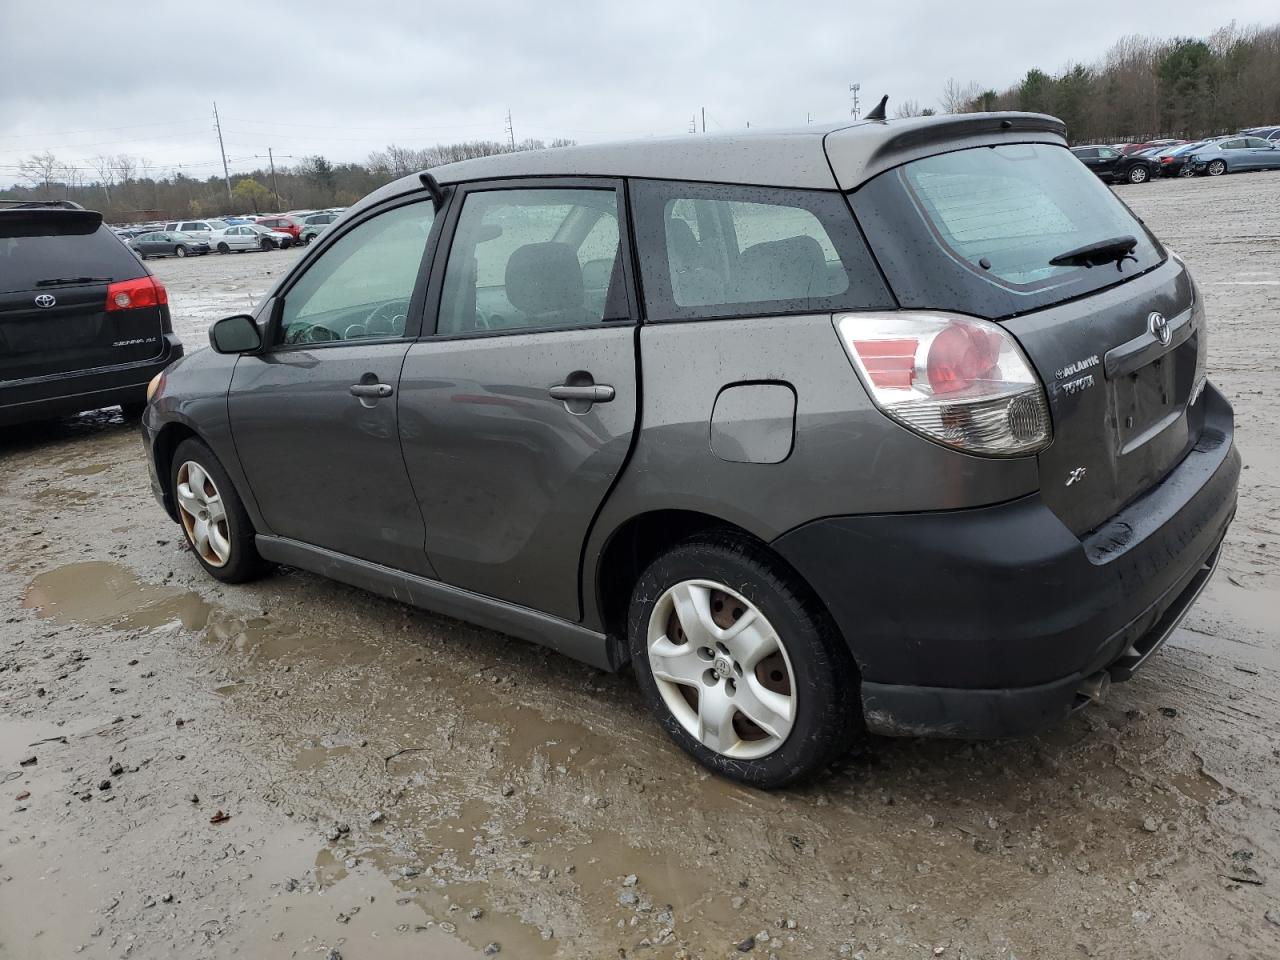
{"x": 238, "y": 334}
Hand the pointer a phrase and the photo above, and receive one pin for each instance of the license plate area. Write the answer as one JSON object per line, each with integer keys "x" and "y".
{"x": 1145, "y": 402}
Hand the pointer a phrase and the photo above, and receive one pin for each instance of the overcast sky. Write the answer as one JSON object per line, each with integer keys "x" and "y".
{"x": 82, "y": 77}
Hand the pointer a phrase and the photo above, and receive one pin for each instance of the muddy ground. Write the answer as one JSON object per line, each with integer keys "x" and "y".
{"x": 294, "y": 768}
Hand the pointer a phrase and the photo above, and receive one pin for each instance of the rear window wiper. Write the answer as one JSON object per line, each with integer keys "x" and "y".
{"x": 1116, "y": 250}
{"x": 58, "y": 281}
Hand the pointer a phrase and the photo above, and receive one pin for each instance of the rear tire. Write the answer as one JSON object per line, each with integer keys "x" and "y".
{"x": 1216, "y": 168}
{"x": 763, "y": 649}
{"x": 1137, "y": 174}
{"x": 212, "y": 515}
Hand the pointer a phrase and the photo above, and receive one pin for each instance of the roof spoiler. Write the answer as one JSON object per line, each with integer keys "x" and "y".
{"x": 970, "y": 124}
{"x": 40, "y": 205}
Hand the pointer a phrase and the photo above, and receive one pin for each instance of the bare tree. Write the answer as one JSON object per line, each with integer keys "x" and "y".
{"x": 39, "y": 168}
{"x": 101, "y": 163}
{"x": 909, "y": 108}
{"x": 125, "y": 167}
{"x": 957, "y": 98}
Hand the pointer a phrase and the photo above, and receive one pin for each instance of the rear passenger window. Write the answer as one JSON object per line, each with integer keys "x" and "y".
{"x": 711, "y": 250}
{"x": 535, "y": 258}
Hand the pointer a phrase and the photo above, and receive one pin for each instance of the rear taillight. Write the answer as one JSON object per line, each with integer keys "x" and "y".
{"x": 131, "y": 294}
{"x": 955, "y": 380}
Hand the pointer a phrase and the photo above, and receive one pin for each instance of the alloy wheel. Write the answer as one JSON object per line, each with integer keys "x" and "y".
{"x": 203, "y": 515}
{"x": 722, "y": 669}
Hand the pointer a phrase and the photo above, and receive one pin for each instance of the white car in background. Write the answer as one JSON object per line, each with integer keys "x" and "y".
{"x": 249, "y": 236}
{"x": 204, "y": 229}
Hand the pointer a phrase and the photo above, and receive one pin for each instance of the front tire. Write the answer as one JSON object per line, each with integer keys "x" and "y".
{"x": 1137, "y": 174}
{"x": 180, "y": 251}
{"x": 1216, "y": 168}
{"x": 223, "y": 248}
{"x": 264, "y": 245}
{"x": 740, "y": 663}
{"x": 212, "y": 515}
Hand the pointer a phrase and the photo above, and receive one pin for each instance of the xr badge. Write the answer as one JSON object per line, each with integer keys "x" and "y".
{"x": 1076, "y": 475}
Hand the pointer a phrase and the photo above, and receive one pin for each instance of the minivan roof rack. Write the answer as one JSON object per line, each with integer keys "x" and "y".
{"x": 41, "y": 205}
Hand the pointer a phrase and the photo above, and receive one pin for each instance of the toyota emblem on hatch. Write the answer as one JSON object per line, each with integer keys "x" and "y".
{"x": 1159, "y": 327}
{"x": 45, "y": 300}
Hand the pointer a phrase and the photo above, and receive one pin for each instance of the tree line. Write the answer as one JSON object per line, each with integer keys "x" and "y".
{"x": 1146, "y": 88}
{"x": 126, "y": 188}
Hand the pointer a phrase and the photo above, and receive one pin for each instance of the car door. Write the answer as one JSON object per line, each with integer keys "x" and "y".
{"x": 314, "y": 416}
{"x": 1108, "y": 162}
{"x": 517, "y": 406}
{"x": 1262, "y": 156}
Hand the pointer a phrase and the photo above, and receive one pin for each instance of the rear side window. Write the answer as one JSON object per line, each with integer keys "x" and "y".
{"x": 712, "y": 250}
{"x": 974, "y": 230}
{"x": 47, "y": 247}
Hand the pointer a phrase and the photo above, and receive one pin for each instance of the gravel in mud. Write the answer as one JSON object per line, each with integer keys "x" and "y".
{"x": 297, "y": 769}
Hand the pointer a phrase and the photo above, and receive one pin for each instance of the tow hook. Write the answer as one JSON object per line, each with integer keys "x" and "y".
{"x": 1095, "y": 687}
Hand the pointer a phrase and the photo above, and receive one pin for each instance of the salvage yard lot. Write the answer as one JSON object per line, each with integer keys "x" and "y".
{"x": 394, "y": 784}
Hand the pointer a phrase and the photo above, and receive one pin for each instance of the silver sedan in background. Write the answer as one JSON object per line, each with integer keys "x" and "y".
{"x": 249, "y": 236}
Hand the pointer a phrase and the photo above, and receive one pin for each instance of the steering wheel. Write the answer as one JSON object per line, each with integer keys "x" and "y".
{"x": 316, "y": 333}
{"x": 387, "y": 319}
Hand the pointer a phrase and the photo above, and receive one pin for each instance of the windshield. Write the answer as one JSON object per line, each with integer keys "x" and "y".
{"x": 975, "y": 230}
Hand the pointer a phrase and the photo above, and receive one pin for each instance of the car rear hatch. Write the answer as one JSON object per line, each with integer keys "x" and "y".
{"x": 62, "y": 276}
{"x": 1112, "y": 327}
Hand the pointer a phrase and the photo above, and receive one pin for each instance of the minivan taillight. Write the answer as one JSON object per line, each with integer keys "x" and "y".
{"x": 956, "y": 380}
{"x": 131, "y": 294}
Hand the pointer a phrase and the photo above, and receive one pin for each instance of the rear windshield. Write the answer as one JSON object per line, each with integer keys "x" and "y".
{"x": 974, "y": 230}
{"x": 51, "y": 247}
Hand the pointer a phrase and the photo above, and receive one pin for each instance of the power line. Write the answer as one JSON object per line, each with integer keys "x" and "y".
{"x": 67, "y": 133}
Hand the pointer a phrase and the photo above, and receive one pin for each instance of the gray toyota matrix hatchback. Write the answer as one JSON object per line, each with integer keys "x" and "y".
{"x": 899, "y": 426}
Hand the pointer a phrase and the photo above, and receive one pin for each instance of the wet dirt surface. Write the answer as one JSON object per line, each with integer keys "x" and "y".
{"x": 393, "y": 784}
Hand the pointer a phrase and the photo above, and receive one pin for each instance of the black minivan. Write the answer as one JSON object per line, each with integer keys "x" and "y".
{"x": 83, "y": 324}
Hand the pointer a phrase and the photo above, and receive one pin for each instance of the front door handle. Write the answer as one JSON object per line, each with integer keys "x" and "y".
{"x": 372, "y": 391}
{"x": 588, "y": 393}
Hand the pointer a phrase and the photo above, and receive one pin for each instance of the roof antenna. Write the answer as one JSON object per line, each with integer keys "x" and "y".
{"x": 433, "y": 187}
{"x": 877, "y": 112}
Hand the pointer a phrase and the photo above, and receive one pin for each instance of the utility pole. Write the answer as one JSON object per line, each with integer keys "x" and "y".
{"x": 853, "y": 89}
{"x": 274, "y": 194}
{"x": 693, "y": 124}
{"x": 511, "y": 131}
{"x": 226, "y": 176}
{"x": 704, "y": 119}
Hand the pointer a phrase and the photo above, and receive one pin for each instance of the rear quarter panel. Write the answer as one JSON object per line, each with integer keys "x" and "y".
{"x": 847, "y": 457}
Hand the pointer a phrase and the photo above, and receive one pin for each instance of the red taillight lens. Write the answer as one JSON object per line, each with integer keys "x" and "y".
{"x": 889, "y": 363}
{"x": 960, "y": 356}
{"x": 132, "y": 294}
{"x": 1164, "y": 160}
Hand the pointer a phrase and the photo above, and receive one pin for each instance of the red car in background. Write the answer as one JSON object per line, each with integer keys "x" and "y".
{"x": 289, "y": 225}
{"x": 1129, "y": 148}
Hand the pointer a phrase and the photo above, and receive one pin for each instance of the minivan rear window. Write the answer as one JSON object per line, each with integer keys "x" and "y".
{"x": 52, "y": 246}
{"x": 975, "y": 230}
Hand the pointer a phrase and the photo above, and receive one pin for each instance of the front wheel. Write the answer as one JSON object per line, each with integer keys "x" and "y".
{"x": 216, "y": 524}
{"x": 740, "y": 663}
{"x": 180, "y": 251}
{"x": 264, "y": 245}
{"x": 223, "y": 248}
{"x": 1137, "y": 174}
{"x": 1216, "y": 168}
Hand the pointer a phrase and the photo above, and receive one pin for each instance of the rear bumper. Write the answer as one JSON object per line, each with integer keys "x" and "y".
{"x": 986, "y": 622}
{"x": 60, "y": 394}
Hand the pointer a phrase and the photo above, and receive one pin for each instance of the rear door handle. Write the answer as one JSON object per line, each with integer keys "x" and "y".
{"x": 371, "y": 390}
{"x": 591, "y": 393}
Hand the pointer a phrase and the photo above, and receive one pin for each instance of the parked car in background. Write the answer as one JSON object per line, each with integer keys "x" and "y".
{"x": 249, "y": 236}
{"x": 1113, "y": 166}
{"x": 200, "y": 228}
{"x": 1170, "y": 160}
{"x": 282, "y": 224}
{"x": 83, "y": 324}
{"x": 1235, "y": 155}
{"x": 169, "y": 243}
{"x": 315, "y": 224}
{"x": 900, "y": 426}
